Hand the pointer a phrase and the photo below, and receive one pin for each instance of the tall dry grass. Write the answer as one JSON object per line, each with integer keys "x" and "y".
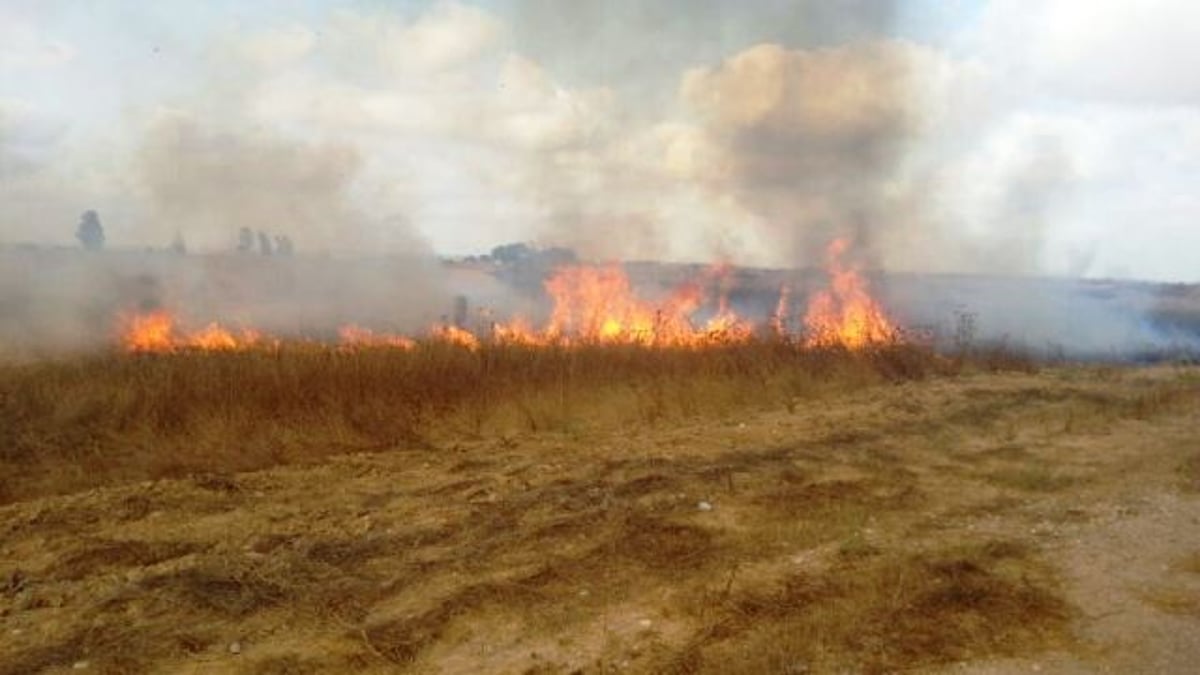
{"x": 72, "y": 424}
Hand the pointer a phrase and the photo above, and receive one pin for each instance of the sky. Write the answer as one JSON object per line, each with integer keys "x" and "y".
{"x": 1060, "y": 137}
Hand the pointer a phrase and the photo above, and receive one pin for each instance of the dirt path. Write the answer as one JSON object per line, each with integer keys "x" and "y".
{"x": 1126, "y": 570}
{"x": 980, "y": 524}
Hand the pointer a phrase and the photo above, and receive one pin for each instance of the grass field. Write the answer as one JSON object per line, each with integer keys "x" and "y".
{"x": 66, "y": 425}
{"x": 752, "y": 509}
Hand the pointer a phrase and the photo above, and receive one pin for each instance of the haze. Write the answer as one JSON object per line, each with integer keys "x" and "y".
{"x": 980, "y": 136}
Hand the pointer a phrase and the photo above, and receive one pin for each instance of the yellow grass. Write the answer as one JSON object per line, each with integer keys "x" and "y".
{"x": 741, "y": 510}
{"x": 90, "y": 421}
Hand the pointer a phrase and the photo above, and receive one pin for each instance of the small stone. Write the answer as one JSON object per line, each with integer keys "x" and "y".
{"x": 81, "y": 665}
{"x": 704, "y": 506}
{"x": 235, "y": 647}
{"x": 645, "y": 623}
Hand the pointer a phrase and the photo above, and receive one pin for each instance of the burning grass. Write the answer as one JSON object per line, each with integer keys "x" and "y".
{"x": 535, "y": 484}
{"x": 593, "y": 305}
{"x": 183, "y": 401}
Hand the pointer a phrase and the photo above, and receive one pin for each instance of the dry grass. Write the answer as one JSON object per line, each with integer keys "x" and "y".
{"x": 1189, "y": 473}
{"x": 1189, "y": 563}
{"x": 1176, "y": 601}
{"x": 540, "y": 513}
{"x": 76, "y": 424}
{"x": 887, "y": 613}
{"x": 1032, "y": 478}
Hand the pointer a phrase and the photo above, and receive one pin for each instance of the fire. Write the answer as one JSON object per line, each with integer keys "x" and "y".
{"x": 726, "y": 327}
{"x": 455, "y": 336}
{"x": 516, "y": 332}
{"x": 148, "y": 332}
{"x": 157, "y": 331}
{"x": 353, "y": 335}
{"x": 598, "y": 305}
{"x": 845, "y": 314}
{"x": 779, "y": 319}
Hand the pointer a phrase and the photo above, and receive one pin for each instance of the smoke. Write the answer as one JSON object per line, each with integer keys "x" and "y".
{"x": 206, "y": 183}
{"x": 209, "y": 183}
{"x": 1062, "y": 317}
{"x": 808, "y": 140}
{"x": 636, "y": 47}
{"x": 1038, "y": 179}
{"x": 648, "y": 165}
{"x": 681, "y": 130}
{"x": 64, "y": 300}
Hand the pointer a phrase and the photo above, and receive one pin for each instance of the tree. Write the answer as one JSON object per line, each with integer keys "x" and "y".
{"x": 511, "y": 253}
{"x": 264, "y": 243}
{"x": 90, "y": 232}
{"x": 559, "y": 255}
{"x": 245, "y": 240}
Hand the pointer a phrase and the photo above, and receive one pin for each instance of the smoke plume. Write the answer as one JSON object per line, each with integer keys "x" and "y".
{"x": 677, "y": 130}
{"x": 808, "y": 140}
{"x": 210, "y": 183}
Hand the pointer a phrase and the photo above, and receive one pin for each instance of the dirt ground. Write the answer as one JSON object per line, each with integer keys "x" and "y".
{"x": 980, "y": 524}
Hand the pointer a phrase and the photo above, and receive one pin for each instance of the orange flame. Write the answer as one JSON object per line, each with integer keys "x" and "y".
{"x": 352, "y": 336}
{"x": 596, "y": 305}
{"x": 845, "y": 314}
{"x": 779, "y": 318}
{"x": 152, "y": 332}
{"x": 157, "y": 332}
{"x": 455, "y": 336}
{"x": 516, "y": 332}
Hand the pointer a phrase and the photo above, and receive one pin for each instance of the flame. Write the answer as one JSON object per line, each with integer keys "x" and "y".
{"x": 455, "y": 336}
{"x": 516, "y": 332}
{"x": 352, "y": 336}
{"x": 597, "y": 305}
{"x": 157, "y": 331}
{"x": 150, "y": 332}
{"x": 779, "y": 319}
{"x": 845, "y": 314}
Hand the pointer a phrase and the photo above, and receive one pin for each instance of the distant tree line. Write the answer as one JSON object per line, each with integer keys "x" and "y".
{"x": 90, "y": 234}
{"x": 248, "y": 241}
{"x": 525, "y": 254}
